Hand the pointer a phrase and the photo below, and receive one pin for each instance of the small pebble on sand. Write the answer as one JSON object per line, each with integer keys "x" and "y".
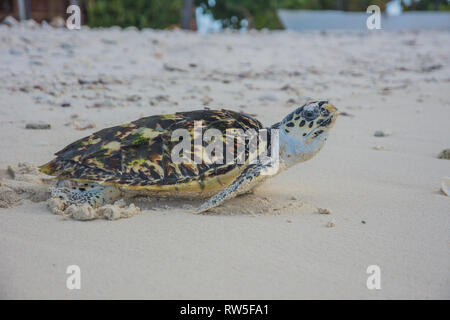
{"x": 330, "y": 224}
{"x": 79, "y": 127}
{"x": 382, "y": 133}
{"x": 11, "y": 172}
{"x": 444, "y": 154}
{"x": 38, "y": 126}
{"x": 133, "y": 98}
{"x": 323, "y": 211}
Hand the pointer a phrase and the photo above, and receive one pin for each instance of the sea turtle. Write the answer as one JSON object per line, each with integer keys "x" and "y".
{"x": 137, "y": 158}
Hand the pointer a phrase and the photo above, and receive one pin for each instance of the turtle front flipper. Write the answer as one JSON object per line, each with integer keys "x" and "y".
{"x": 249, "y": 178}
{"x": 95, "y": 196}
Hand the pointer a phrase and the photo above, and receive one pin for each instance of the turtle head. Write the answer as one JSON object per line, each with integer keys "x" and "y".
{"x": 304, "y": 131}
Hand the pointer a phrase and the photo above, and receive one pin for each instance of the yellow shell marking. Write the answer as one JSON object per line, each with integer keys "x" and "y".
{"x": 90, "y": 141}
{"x": 147, "y": 133}
{"x": 95, "y": 163}
{"x": 112, "y": 146}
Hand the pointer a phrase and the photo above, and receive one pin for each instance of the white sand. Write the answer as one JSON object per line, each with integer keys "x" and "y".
{"x": 260, "y": 246}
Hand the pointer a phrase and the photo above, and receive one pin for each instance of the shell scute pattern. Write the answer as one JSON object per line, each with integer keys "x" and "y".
{"x": 139, "y": 153}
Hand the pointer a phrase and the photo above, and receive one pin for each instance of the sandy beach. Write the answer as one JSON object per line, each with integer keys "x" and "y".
{"x": 383, "y": 192}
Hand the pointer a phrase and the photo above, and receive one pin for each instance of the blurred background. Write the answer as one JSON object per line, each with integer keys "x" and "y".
{"x": 380, "y": 174}
{"x": 218, "y": 15}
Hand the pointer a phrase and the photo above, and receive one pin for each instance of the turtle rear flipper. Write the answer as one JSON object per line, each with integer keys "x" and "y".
{"x": 95, "y": 196}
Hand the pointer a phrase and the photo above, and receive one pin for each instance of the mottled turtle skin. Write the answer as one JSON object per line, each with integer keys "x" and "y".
{"x": 137, "y": 156}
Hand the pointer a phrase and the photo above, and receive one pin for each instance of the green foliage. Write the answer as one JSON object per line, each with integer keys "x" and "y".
{"x": 263, "y": 13}
{"x": 307, "y": 4}
{"x": 441, "y": 5}
{"x": 157, "y": 14}
{"x": 258, "y": 14}
{"x": 345, "y": 5}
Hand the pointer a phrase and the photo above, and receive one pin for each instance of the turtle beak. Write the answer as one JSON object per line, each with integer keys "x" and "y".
{"x": 333, "y": 114}
{"x": 331, "y": 109}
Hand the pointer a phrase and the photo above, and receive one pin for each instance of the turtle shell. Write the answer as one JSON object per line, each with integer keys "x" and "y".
{"x": 137, "y": 155}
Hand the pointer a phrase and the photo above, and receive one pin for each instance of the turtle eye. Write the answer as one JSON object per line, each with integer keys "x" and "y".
{"x": 324, "y": 112}
{"x": 309, "y": 115}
